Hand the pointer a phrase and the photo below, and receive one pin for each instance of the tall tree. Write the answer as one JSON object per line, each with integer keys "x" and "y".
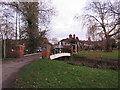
{"x": 103, "y": 21}
{"x": 30, "y": 11}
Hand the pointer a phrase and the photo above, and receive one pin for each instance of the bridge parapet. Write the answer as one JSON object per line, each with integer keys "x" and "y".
{"x": 48, "y": 51}
{"x": 59, "y": 55}
{"x": 64, "y": 49}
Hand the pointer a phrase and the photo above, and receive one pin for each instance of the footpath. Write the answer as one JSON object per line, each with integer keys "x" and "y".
{"x": 11, "y": 68}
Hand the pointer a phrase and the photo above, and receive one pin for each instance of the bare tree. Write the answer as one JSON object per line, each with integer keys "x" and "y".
{"x": 92, "y": 32}
{"x": 7, "y": 26}
{"x": 103, "y": 21}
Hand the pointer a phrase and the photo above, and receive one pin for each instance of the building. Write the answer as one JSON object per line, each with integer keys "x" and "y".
{"x": 71, "y": 42}
{"x": 79, "y": 45}
{"x": 91, "y": 45}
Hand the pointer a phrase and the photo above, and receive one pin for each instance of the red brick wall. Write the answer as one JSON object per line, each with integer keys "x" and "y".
{"x": 15, "y": 51}
{"x": 46, "y": 52}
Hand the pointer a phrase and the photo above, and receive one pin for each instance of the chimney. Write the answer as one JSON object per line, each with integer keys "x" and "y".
{"x": 77, "y": 38}
{"x": 70, "y": 36}
{"x": 74, "y": 36}
{"x": 89, "y": 39}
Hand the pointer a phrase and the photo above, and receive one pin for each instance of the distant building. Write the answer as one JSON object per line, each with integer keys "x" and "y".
{"x": 72, "y": 42}
{"x": 79, "y": 45}
{"x": 88, "y": 44}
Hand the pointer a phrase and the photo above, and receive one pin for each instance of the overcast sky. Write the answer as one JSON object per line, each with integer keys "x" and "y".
{"x": 64, "y": 23}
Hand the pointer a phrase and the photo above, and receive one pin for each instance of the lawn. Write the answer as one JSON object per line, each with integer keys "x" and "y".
{"x": 4, "y": 59}
{"x": 58, "y": 74}
{"x": 98, "y": 54}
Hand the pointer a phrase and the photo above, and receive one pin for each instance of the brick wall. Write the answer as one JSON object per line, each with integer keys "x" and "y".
{"x": 15, "y": 51}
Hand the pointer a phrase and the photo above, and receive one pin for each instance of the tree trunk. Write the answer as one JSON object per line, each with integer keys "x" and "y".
{"x": 108, "y": 44}
{"x": 33, "y": 35}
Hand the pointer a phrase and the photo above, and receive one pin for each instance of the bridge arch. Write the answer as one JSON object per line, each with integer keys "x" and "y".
{"x": 58, "y": 55}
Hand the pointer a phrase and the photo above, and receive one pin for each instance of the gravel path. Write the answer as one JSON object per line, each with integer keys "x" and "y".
{"x": 11, "y": 68}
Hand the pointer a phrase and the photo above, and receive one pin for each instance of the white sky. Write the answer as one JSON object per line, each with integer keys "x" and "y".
{"x": 64, "y": 23}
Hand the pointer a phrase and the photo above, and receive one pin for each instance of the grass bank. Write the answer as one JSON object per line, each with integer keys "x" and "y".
{"x": 57, "y": 74}
{"x": 98, "y": 54}
{"x": 4, "y": 59}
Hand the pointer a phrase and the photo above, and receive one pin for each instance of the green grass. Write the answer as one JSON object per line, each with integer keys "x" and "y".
{"x": 98, "y": 54}
{"x": 4, "y": 59}
{"x": 57, "y": 74}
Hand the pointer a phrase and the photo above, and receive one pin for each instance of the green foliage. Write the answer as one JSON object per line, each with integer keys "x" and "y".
{"x": 98, "y": 54}
{"x": 32, "y": 28}
{"x": 57, "y": 74}
{"x": 85, "y": 63}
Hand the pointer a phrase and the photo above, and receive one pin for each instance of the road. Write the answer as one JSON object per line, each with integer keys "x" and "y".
{"x": 11, "y": 68}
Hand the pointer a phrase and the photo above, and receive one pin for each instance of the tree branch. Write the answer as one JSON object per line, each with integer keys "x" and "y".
{"x": 93, "y": 17}
{"x": 14, "y": 5}
{"x": 115, "y": 33}
{"x": 47, "y": 10}
{"x": 113, "y": 28}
